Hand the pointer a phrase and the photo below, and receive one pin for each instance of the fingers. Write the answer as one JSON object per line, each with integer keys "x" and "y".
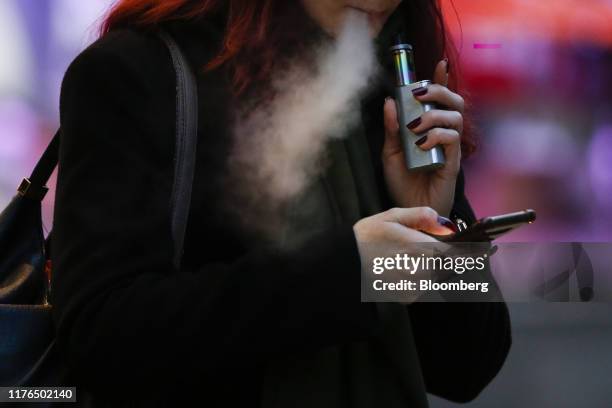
{"x": 450, "y": 140}
{"x": 440, "y": 136}
{"x": 424, "y": 219}
{"x": 437, "y": 118}
{"x": 390, "y": 112}
{"x": 441, "y": 72}
{"x": 392, "y": 140}
{"x": 440, "y": 95}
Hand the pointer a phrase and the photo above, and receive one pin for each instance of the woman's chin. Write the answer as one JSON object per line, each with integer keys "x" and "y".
{"x": 376, "y": 21}
{"x": 375, "y": 28}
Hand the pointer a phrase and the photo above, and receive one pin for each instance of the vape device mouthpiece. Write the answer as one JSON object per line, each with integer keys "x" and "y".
{"x": 403, "y": 61}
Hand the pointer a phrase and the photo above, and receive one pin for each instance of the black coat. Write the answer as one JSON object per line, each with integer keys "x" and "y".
{"x": 130, "y": 328}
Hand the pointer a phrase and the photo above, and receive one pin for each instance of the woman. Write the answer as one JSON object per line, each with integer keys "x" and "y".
{"x": 244, "y": 324}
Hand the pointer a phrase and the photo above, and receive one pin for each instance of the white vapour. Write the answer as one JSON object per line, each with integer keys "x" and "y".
{"x": 279, "y": 147}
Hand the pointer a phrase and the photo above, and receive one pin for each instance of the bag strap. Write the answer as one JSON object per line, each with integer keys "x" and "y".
{"x": 186, "y": 133}
{"x": 34, "y": 187}
{"x": 186, "y": 142}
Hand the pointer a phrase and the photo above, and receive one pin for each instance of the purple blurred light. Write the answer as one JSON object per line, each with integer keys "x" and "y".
{"x": 600, "y": 165}
{"x": 531, "y": 145}
{"x": 487, "y": 46}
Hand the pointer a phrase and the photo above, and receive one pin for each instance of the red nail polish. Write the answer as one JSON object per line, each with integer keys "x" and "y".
{"x": 420, "y": 91}
{"x": 445, "y": 222}
{"x": 421, "y": 141}
{"x": 414, "y": 123}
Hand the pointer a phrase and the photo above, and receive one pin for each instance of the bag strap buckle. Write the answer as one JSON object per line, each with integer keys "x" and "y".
{"x": 30, "y": 190}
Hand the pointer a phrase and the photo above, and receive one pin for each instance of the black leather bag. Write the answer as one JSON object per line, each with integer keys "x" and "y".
{"x": 27, "y": 335}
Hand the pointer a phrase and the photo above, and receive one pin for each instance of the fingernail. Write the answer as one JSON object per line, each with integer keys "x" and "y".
{"x": 420, "y": 91}
{"x": 414, "y": 123}
{"x": 421, "y": 141}
{"x": 445, "y": 222}
{"x": 447, "y": 65}
{"x": 388, "y": 98}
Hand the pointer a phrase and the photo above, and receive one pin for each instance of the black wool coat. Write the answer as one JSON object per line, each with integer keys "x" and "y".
{"x": 129, "y": 328}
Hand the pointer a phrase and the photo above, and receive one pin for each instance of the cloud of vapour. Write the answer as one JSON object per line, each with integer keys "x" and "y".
{"x": 279, "y": 148}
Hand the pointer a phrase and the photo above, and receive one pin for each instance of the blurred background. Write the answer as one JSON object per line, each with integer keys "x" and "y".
{"x": 539, "y": 77}
{"x": 539, "y": 74}
{"x": 38, "y": 40}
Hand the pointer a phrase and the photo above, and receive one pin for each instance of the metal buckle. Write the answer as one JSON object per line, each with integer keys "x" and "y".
{"x": 27, "y": 189}
{"x": 23, "y": 188}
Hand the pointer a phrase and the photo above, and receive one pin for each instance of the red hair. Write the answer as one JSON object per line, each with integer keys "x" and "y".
{"x": 247, "y": 26}
{"x": 253, "y": 38}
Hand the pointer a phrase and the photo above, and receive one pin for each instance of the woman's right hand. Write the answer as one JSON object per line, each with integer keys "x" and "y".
{"x": 400, "y": 227}
{"x": 399, "y": 231}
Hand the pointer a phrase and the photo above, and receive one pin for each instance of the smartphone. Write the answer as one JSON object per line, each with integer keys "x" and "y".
{"x": 490, "y": 228}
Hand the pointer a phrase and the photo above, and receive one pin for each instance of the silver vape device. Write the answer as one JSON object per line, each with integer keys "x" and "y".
{"x": 408, "y": 109}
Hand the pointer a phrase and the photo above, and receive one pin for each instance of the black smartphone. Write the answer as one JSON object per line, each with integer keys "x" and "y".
{"x": 490, "y": 228}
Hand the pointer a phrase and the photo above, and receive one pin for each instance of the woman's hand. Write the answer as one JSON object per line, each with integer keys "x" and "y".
{"x": 444, "y": 126}
{"x": 400, "y": 227}
{"x": 399, "y": 231}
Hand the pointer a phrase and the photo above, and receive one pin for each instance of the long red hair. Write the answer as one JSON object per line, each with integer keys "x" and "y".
{"x": 254, "y": 36}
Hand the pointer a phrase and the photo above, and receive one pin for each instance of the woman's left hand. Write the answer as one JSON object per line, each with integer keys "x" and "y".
{"x": 436, "y": 188}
